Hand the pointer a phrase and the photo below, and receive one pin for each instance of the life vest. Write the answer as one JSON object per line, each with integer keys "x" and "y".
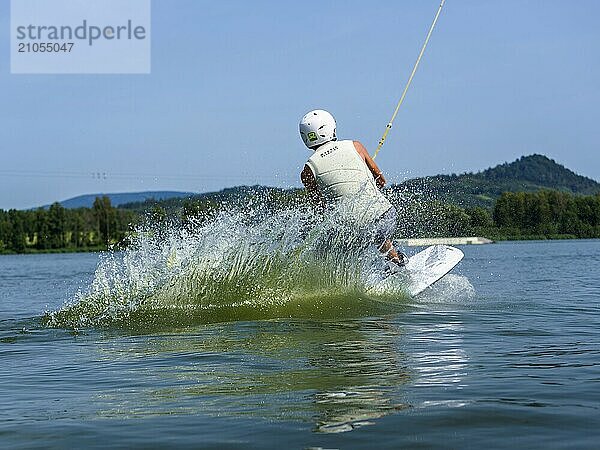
{"x": 343, "y": 176}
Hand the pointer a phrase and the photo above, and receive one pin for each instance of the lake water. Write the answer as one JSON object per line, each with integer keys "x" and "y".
{"x": 503, "y": 353}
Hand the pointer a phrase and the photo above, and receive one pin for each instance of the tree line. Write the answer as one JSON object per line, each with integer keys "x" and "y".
{"x": 544, "y": 214}
{"x": 550, "y": 214}
{"x": 522, "y": 215}
{"x": 60, "y": 229}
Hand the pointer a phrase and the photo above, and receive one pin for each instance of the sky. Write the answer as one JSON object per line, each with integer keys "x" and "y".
{"x": 230, "y": 81}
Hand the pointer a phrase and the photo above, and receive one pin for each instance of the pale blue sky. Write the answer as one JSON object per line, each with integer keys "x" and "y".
{"x": 231, "y": 79}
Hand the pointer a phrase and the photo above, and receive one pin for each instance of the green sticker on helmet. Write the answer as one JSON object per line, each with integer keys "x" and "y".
{"x": 312, "y": 136}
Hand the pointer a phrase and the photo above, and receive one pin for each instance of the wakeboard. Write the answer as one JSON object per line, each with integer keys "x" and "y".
{"x": 423, "y": 269}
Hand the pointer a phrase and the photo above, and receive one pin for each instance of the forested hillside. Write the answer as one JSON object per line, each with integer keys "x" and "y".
{"x": 541, "y": 171}
{"x": 527, "y": 174}
{"x": 533, "y": 197}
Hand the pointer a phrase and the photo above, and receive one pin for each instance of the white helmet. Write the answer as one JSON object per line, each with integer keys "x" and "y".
{"x": 316, "y": 128}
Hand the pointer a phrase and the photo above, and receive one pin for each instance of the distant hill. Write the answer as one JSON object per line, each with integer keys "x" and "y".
{"x": 526, "y": 174}
{"x": 119, "y": 199}
{"x": 234, "y": 195}
{"x": 541, "y": 171}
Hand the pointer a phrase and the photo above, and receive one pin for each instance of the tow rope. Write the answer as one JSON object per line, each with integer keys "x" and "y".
{"x": 390, "y": 123}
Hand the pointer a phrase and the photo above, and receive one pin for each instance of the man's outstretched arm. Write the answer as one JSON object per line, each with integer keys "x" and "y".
{"x": 377, "y": 174}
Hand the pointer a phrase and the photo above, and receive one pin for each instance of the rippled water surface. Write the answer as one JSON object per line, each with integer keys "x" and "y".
{"x": 505, "y": 352}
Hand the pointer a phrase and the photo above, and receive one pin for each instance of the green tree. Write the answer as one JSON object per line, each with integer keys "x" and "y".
{"x": 106, "y": 221}
{"x": 503, "y": 213}
{"x": 4, "y": 231}
{"x": 42, "y": 231}
{"x": 479, "y": 217}
{"x": 196, "y": 211}
{"x": 56, "y": 226}
{"x": 17, "y": 233}
{"x": 76, "y": 225}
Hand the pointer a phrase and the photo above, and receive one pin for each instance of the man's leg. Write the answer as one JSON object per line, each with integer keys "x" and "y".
{"x": 388, "y": 249}
{"x": 391, "y": 254}
{"x": 385, "y": 229}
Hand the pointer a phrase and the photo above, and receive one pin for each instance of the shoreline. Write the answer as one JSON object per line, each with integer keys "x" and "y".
{"x": 410, "y": 242}
{"x": 54, "y": 251}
